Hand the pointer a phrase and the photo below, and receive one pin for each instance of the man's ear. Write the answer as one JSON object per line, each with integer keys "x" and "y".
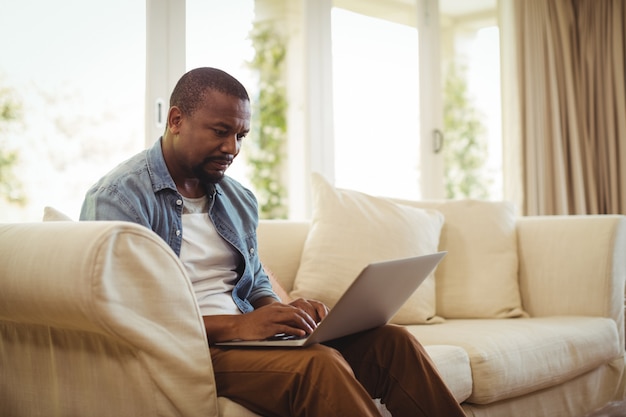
{"x": 174, "y": 118}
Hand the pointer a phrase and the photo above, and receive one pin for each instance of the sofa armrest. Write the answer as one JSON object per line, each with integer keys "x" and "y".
{"x": 573, "y": 265}
{"x": 99, "y": 315}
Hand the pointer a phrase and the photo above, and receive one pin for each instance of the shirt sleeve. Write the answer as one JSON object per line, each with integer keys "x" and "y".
{"x": 262, "y": 285}
{"x": 107, "y": 203}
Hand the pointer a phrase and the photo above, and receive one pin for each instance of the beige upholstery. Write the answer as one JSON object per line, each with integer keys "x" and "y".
{"x": 574, "y": 265}
{"x": 347, "y": 234}
{"x": 566, "y": 359}
{"x": 476, "y": 234}
{"x": 510, "y": 358}
{"x": 99, "y": 319}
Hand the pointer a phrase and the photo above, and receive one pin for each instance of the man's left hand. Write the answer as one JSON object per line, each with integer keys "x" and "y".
{"x": 316, "y": 309}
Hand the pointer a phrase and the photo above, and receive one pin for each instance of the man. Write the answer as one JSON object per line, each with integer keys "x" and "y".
{"x": 178, "y": 188}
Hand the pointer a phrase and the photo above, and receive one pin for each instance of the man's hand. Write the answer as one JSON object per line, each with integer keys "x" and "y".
{"x": 298, "y": 318}
{"x": 315, "y": 309}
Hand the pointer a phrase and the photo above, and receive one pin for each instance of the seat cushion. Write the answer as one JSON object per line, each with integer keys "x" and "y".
{"x": 518, "y": 356}
{"x": 453, "y": 364}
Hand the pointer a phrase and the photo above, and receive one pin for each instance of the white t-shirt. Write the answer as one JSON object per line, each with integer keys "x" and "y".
{"x": 209, "y": 260}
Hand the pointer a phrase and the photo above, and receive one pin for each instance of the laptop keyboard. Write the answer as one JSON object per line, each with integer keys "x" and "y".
{"x": 283, "y": 336}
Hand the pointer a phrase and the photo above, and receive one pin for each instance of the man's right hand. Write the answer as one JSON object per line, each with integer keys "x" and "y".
{"x": 263, "y": 322}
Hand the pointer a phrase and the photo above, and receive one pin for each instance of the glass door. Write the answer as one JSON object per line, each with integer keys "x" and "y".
{"x": 388, "y": 97}
{"x": 470, "y": 52}
{"x": 416, "y": 88}
{"x": 376, "y": 104}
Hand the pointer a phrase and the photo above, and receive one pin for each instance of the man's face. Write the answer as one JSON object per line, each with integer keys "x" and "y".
{"x": 210, "y": 138}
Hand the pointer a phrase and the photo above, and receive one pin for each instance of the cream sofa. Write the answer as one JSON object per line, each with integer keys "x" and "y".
{"x": 525, "y": 315}
{"x": 99, "y": 318}
{"x": 564, "y": 360}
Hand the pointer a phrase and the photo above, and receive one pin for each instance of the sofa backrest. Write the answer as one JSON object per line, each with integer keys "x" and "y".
{"x": 478, "y": 278}
{"x": 280, "y": 248}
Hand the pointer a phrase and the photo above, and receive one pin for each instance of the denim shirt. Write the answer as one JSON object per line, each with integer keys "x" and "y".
{"x": 142, "y": 191}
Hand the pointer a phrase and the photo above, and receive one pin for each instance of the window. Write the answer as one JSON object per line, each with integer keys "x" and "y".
{"x": 470, "y": 52}
{"x": 376, "y": 103}
{"x": 369, "y": 102}
{"x": 78, "y": 70}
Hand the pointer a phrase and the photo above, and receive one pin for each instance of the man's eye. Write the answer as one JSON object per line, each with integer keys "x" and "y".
{"x": 220, "y": 132}
{"x": 241, "y": 136}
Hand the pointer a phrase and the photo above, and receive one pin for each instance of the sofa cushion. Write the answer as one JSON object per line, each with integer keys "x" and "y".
{"x": 510, "y": 358}
{"x": 349, "y": 230}
{"x": 50, "y": 214}
{"x": 453, "y": 365}
{"x": 479, "y": 277}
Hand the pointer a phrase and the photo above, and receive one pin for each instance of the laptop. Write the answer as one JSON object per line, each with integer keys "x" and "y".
{"x": 372, "y": 299}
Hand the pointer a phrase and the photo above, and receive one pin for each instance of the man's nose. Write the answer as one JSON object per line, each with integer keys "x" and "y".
{"x": 231, "y": 145}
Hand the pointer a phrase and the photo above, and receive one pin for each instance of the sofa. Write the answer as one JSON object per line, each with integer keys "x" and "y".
{"x": 524, "y": 316}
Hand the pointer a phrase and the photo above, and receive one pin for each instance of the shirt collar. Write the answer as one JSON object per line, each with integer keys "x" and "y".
{"x": 160, "y": 176}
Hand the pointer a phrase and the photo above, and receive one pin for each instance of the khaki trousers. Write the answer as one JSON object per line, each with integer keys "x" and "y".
{"x": 338, "y": 378}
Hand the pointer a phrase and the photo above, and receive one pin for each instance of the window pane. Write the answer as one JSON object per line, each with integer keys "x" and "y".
{"x": 376, "y": 105}
{"x": 472, "y": 105}
{"x": 78, "y": 70}
{"x": 484, "y": 83}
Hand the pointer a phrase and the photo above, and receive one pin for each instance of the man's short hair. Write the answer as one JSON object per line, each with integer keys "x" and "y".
{"x": 189, "y": 91}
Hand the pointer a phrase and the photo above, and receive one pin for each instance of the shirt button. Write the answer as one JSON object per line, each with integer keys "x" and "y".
{"x": 179, "y": 202}
{"x": 178, "y": 233}
{"x": 251, "y": 251}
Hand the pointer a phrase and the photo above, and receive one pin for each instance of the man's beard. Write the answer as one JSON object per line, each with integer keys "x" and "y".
{"x": 209, "y": 177}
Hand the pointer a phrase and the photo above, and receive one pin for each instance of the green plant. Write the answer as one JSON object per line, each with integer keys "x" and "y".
{"x": 10, "y": 187}
{"x": 265, "y": 151}
{"x": 465, "y": 150}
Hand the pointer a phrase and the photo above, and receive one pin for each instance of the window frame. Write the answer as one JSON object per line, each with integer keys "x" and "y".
{"x": 311, "y": 146}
